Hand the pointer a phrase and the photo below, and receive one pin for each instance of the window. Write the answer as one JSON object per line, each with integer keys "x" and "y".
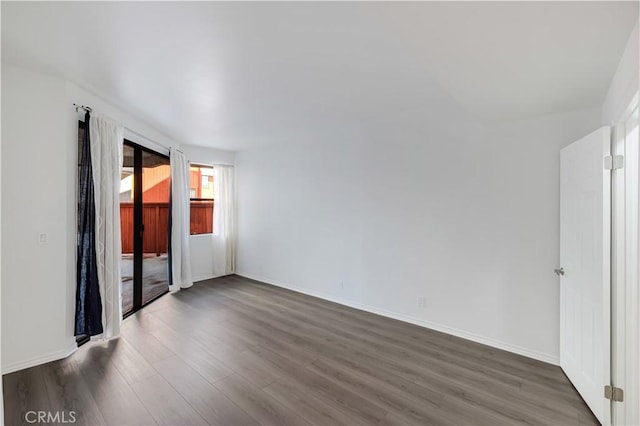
{"x": 201, "y": 193}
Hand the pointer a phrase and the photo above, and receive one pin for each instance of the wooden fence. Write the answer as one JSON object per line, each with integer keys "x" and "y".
{"x": 155, "y": 218}
{"x": 201, "y": 217}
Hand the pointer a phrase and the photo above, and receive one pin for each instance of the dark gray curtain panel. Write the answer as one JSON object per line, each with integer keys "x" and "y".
{"x": 88, "y": 303}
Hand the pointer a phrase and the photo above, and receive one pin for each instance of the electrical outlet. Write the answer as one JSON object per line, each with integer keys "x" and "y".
{"x": 422, "y": 301}
{"x": 42, "y": 238}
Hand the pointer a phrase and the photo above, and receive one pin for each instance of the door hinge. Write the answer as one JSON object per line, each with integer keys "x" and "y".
{"x": 613, "y": 162}
{"x": 613, "y": 393}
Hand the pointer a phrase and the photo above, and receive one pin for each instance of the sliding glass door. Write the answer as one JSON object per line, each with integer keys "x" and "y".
{"x": 144, "y": 218}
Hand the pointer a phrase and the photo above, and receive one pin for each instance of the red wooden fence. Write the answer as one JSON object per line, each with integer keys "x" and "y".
{"x": 201, "y": 214}
{"x": 155, "y": 218}
{"x": 126, "y": 227}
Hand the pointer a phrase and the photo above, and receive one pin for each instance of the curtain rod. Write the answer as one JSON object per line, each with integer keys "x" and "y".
{"x": 201, "y": 163}
{"x": 89, "y": 109}
{"x": 86, "y": 108}
{"x": 147, "y": 138}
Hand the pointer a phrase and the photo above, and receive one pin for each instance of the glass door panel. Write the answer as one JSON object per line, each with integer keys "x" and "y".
{"x": 127, "y": 228}
{"x": 155, "y": 218}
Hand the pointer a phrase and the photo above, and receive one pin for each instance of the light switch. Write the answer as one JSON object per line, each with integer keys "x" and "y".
{"x": 42, "y": 238}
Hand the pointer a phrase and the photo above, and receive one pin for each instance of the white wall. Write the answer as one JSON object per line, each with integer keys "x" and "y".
{"x": 432, "y": 203}
{"x": 39, "y": 162}
{"x": 625, "y": 81}
{"x": 38, "y": 170}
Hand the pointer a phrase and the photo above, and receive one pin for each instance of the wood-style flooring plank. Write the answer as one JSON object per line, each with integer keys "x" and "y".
{"x": 68, "y": 392}
{"x": 265, "y": 409}
{"x": 210, "y": 403}
{"x": 145, "y": 343}
{"x": 309, "y": 406}
{"x": 115, "y": 399}
{"x": 24, "y": 391}
{"x": 164, "y": 403}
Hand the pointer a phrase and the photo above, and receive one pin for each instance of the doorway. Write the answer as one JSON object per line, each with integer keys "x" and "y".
{"x": 144, "y": 223}
{"x": 599, "y": 273}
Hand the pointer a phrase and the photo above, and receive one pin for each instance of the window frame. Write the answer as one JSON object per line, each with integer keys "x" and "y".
{"x": 200, "y": 199}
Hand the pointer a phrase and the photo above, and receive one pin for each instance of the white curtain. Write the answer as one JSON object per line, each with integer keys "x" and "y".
{"x": 180, "y": 229}
{"x": 224, "y": 220}
{"x": 106, "y": 161}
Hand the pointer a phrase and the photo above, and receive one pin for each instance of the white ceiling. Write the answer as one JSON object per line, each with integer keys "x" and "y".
{"x": 231, "y": 75}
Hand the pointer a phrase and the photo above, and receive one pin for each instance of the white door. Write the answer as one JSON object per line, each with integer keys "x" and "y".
{"x": 585, "y": 257}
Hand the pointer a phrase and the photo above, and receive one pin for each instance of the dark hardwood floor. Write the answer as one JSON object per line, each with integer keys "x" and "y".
{"x": 233, "y": 351}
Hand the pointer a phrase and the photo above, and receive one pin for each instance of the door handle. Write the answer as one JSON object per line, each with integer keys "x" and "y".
{"x": 559, "y": 272}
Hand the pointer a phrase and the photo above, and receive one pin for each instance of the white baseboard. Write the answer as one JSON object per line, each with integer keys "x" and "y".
{"x": 540, "y": 356}
{"x": 203, "y": 278}
{"x": 38, "y": 360}
{"x": 210, "y": 277}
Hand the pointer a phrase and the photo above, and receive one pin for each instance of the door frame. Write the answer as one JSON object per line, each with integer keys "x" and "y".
{"x": 625, "y": 291}
{"x": 138, "y": 227}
